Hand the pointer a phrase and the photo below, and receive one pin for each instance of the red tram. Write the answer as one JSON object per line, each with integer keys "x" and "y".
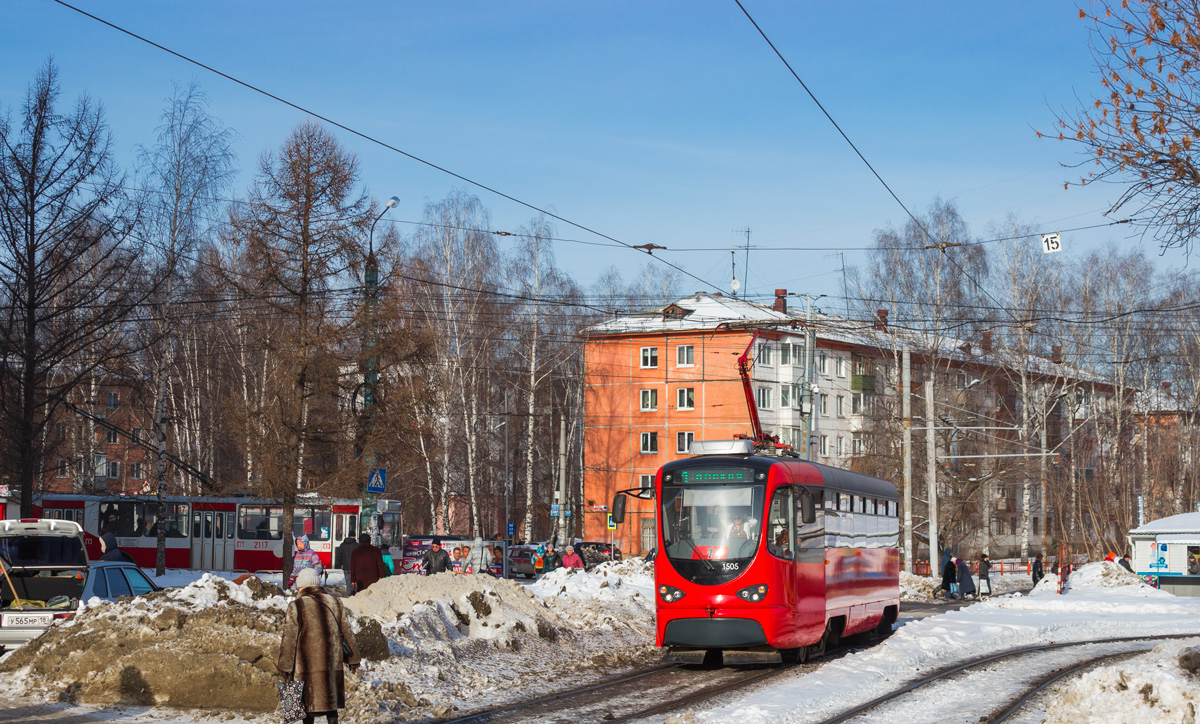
{"x": 763, "y": 557}
{"x": 212, "y": 533}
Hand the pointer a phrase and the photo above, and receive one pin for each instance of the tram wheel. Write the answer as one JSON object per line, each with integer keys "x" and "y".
{"x": 828, "y": 639}
{"x": 794, "y": 656}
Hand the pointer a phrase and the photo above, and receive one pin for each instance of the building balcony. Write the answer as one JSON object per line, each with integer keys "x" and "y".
{"x": 862, "y": 383}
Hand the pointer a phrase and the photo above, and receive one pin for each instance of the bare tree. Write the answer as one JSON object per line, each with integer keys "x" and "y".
{"x": 70, "y": 271}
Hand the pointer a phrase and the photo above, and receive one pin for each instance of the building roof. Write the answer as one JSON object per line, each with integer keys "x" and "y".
{"x": 1183, "y": 523}
{"x": 704, "y": 311}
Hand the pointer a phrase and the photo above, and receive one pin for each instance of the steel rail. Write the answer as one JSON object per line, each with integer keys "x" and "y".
{"x": 1017, "y": 705}
{"x": 979, "y": 661}
{"x": 701, "y": 695}
{"x": 488, "y": 713}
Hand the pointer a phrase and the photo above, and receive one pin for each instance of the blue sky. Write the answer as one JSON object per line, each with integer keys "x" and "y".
{"x": 663, "y": 122}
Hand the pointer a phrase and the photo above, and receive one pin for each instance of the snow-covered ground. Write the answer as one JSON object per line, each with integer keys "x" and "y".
{"x": 1103, "y": 601}
{"x": 205, "y": 648}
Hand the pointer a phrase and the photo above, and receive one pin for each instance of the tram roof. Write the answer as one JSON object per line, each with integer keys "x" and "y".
{"x": 1183, "y": 523}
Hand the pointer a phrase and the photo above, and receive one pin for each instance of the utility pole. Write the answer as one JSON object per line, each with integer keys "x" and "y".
{"x": 1042, "y": 464}
{"x": 367, "y": 518}
{"x": 931, "y": 468}
{"x": 562, "y": 477}
{"x": 806, "y": 396}
{"x": 906, "y": 413}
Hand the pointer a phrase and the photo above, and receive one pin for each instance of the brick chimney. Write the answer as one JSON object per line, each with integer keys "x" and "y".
{"x": 881, "y": 316}
{"x": 987, "y": 342}
{"x": 1056, "y": 354}
{"x": 780, "y": 301}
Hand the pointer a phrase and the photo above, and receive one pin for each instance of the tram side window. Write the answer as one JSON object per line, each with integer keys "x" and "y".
{"x": 891, "y": 527}
{"x": 259, "y": 522}
{"x": 315, "y": 523}
{"x": 811, "y": 535}
{"x": 130, "y": 517}
{"x": 779, "y": 524}
{"x": 176, "y": 515}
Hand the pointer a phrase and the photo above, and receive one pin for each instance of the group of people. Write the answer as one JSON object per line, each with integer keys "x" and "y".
{"x": 957, "y": 581}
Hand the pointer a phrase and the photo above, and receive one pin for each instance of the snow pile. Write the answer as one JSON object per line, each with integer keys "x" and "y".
{"x": 1149, "y": 688}
{"x": 608, "y": 581}
{"x": 174, "y": 647}
{"x": 917, "y": 588}
{"x": 1101, "y": 587}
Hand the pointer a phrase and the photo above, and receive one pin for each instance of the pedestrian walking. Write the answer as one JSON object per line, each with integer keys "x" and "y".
{"x": 304, "y": 558}
{"x": 553, "y": 561}
{"x": 572, "y": 559}
{"x": 985, "y": 573}
{"x": 1125, "y": 563}
{"x": 108, "y": 542}
{"x": 539, "y": 561}
{"x": 366, "y": 564}
{"x": 966, "y": 584}
{"x": 436, "y": 560}
{"x": 316, "y": 647}
{"x": 341, "y": 559}
{"x": 1038, "y": 572}
{"x": 949, "y": 576}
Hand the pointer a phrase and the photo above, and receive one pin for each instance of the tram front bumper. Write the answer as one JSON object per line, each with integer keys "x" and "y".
{"x": 714, "y": 633}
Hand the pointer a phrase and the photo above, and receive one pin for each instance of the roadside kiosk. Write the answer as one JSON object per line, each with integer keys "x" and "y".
{"x": 1166, "y": 553}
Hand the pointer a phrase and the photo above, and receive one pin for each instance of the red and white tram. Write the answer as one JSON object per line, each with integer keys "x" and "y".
{"x": 212, "y": 533}
{"x": 763, "y": 557}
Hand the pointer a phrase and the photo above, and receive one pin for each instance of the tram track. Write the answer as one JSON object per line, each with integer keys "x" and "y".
{"x": 1013, "y": 708}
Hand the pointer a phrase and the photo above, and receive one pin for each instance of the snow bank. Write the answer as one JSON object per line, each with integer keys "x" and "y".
{"x": 917, "y": 588}
{"x": 1091, "y": 611}
{"x": 1103, "y": 588}
{"x": 1148, "y": 688}
{"x": 607, "y": 581}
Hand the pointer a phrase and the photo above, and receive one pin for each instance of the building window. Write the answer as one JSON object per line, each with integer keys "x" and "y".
{"x": 764, "y": 354}
{"x": 60, "y": 431}
{"x": 824, "y": 446}
{"x": 649, "y": 358}
{"x": 114, "y": 468}
{"x": 135, "y": 471}
{"x": 785, "y": 396}
{"x": 649, "y": 400}
{"x": 840, "y": 449}
{"x": 685, "y": 355}
{"x": 683, "y": 441}
{"x": 960, "y": 381}
{"x": 856, "y": 403}
{"x": 841, "y": 405}
{"x": 823, "y": 364}
{"x": 824, "y": 405}
{"x": 686, "y": 398}
{"x": 100, "y": 464}
{"x": 764, "y": 398}
{"x": 137, "y": 434}
{"x": 839, "y": 364}
{"x": 112, "y": 437}
{"x": 646, "y": 482}
{"x": 62, "y": 468}
{"x": 649, "y": 443}
{"x": 785, "y": 354}
{"x": 857, "y": 446}
{"x": 114, "y": 400}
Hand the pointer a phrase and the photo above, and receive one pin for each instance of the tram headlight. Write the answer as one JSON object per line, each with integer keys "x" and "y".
{"x": 753, "y": 594}
{"x": 669, "y": 594}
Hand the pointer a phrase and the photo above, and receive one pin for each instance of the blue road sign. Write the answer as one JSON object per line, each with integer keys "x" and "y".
{"x": 377, "y": 480}
{"x": 512, "y": 528}
{"x": 611, "y": 524}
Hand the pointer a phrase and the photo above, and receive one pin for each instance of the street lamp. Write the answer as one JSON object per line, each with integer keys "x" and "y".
{"x": 391, "y": 204}
{"x": 371, "y": 363}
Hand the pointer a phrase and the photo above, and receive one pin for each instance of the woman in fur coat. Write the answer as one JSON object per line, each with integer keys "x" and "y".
{"x": 311, "y": 649}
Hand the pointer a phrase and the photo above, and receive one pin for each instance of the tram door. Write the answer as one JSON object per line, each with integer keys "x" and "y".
{"x": 212, "y": 540}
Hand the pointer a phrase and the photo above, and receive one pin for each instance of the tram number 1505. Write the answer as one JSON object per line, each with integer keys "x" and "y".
{"x": 729, "y": 566}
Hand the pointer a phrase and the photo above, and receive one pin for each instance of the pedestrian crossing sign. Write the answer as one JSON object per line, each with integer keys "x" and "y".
{"x": 611, "y": 524}
{"x": 377, "y": 480}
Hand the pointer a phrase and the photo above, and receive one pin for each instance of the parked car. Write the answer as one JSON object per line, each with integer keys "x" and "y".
{"x": 48, "y": 571}
{"x": 520, "y": 562}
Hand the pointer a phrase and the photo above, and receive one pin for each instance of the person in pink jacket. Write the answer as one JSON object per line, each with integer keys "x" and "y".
{"x": 572, "y": 559}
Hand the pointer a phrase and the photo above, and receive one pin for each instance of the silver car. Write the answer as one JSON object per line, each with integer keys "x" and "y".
{"x": 47, "y": 573}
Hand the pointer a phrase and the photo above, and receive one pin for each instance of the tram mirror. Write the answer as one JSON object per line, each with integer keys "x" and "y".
{"x": 808, "y": 512}
{"x": 618, "y": 508}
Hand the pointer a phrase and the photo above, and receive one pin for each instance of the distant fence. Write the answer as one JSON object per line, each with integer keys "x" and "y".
{"x": 1005, "y": 567}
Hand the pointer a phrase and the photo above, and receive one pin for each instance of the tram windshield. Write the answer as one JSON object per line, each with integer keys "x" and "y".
{"x": 706, "y": 522}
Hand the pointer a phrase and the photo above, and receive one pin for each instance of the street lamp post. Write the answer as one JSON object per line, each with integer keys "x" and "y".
{"x": 371, "y": 365}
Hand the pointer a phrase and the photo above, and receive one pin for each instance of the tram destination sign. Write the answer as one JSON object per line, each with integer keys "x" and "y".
{"x": 724, "y": 474}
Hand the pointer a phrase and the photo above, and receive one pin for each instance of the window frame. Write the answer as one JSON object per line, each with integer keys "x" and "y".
{"x": 762, "y": 397}
{"x": 764, "y": 355}
{"x": 651, "y": 394}
{"x": 112, "y": 400}
{"x": 688, "y": 351}
{"x": 687, "y": 437}
{"x": 114, "y": 469}
{"x": 649, "y": 354}
{"x": 649, "y": 443}
{"x": 685, "y": 398}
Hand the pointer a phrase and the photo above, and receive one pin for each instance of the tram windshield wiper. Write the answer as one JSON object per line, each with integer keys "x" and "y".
{"x": 707, "y": 563}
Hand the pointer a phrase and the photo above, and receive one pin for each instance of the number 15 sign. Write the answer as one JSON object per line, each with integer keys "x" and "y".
{"x": 1050, "y": 243}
